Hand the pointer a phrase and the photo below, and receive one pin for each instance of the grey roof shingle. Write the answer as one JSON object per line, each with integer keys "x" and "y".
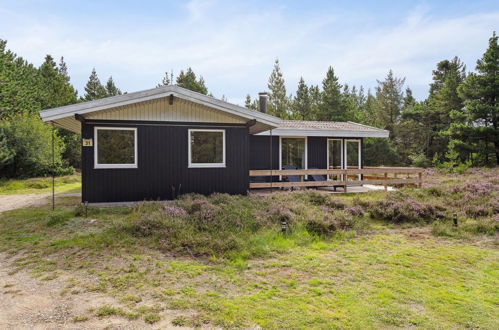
{"x": 326, "y": 125}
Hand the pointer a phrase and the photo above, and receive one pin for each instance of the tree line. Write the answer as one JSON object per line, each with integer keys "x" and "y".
{"x": 456, "y": 124}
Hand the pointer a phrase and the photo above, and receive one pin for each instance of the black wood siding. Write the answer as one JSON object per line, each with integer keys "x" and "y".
{"x": 163, "y": 166}
{"x": 260, "y": 152}
{"x": 317, "y": 152}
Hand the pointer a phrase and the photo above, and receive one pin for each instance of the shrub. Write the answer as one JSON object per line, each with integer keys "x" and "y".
{"x": 279, "y": 213}
{"x": 356, "y": 211}
{"x": 434, "y": 191}
{"x": 57, "y": 218}
{"x": 404, "y": 210}
{"x": 179, "y": 321}
{"x": 79, "y": 210}
{"x": 174, "y": 211}
{"x": 467, "y": 229}
{"x": 332, "y": 222}
{"x": 419, "y": 160}
{"x": 476, "y": 211}
{"x": 325, "y": 199}
{"x": 146, "y": 225}
{"x": 321, "y": 227}
{"x": 474, "y": 189}
{"x": 152, "y": 318}
{"x": 27, "y": 147}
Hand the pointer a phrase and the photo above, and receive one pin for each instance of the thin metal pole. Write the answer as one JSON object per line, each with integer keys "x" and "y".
{"x": 53, "y": 168}
{"x": 271, "y": 177}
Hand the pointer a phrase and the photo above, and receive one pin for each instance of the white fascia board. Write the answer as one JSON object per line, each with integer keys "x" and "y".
{"x": 327, "y": 133}
{"x": 151, "y": 94}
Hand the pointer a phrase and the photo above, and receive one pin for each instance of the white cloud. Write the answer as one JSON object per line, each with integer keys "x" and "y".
{"x": 234, "y": 48}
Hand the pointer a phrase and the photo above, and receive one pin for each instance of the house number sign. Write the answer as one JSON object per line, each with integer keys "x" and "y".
{"x": 87, "y": 142}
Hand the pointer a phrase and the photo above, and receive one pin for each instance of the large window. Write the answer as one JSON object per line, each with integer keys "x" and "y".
{"x": 115, "y": 147}
{"x": 335, "y": 157}
{"x": 335, "y": 153}
{"x": 293, "y": 153}
{"x": 206, "y": 148}
{"x": 353, "y": 153}
{"x": 353, "y": 160}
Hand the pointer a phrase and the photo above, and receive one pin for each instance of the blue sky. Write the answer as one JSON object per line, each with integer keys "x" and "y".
{"x": 233, "y": 44}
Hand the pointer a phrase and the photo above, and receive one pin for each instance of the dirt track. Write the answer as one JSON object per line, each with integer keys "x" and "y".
{"x": 11, "y": 202}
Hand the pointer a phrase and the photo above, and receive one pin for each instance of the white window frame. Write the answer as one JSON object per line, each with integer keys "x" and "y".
{"x": 205, "y": 165}
{"x": 96, "y": 160}
{"x": 359, "y": 150}
{"x": 280, "y": 151}
{"x": 341, "y": 152}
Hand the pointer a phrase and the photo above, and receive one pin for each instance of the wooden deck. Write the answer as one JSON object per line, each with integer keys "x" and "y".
{"x": 385, "y": 176}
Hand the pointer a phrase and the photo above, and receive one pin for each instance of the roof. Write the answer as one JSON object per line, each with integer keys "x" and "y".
{"x": 326, "y": 128}
{"x": 65, "y": 116}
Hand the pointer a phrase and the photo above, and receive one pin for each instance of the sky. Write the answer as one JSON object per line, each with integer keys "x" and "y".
{"x": 233, "y": 44}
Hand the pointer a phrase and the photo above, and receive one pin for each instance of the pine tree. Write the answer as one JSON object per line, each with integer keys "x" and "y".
{"x": 480, "y": 92}
{"x": 390, "y": 100}
{"x": 251, "y": 104}
{"x": 302, "y": 104}
{"x": 247, "y": 101}
{"x": 94, "y": 89}
{"x": 63, "y": 69}
{"x": 56, "y": 89}
{"x": 19, "y": 84}
{"x": 368, "y": 111}
{"x": 189, "y": 81}
{"x": 409, "y": 100}
{"x": 315, "y": 101}
{"x": 278, "y": 100}
{"x": 331, "y": 107}
{"x": 167, "y": 80}
{"x": 111, "y": 89}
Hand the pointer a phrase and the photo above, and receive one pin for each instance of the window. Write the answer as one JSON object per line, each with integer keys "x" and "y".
{"x": 353, "y": 153}
{"x": 115, "y": 147}
{"x": 335, "y": 157}
{"x": 353, "y": 158}
{"x": 293, "y": 152}
{"x": 335, "y": 153}
{"x": 206, "y": 148}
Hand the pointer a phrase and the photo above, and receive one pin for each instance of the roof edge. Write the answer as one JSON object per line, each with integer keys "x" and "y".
{"x": 155, "y": 93}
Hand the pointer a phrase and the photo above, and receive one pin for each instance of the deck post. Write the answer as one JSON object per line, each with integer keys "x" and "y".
{"x": 53, "y": 167}
{"x": 271, "y": 165}
{"x": 386, "y": 179}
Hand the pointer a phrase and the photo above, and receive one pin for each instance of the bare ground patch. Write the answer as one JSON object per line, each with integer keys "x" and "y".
{"x": 12, "y": 202}
{"x": 30, "y": 303}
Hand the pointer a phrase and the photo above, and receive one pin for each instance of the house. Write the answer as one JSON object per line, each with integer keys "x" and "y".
{"x": 158, "y": 143}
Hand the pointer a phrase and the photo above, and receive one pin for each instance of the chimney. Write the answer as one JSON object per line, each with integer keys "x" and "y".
{"x": 263, "y": 97}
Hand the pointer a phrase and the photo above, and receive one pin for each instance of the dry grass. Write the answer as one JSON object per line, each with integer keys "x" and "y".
{"x": 375, "y": 274}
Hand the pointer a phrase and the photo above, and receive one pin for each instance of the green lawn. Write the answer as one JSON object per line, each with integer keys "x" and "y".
{"x": 367, "y": 273}
{"x": 64, "y": 184}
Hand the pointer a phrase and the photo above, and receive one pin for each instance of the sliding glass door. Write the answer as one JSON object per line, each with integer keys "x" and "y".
{"x": 334, "y": 156}
{"x": 353, "y": 157}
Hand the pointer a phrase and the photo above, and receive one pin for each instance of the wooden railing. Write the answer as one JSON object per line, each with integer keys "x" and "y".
{"x": 386, "y": 176}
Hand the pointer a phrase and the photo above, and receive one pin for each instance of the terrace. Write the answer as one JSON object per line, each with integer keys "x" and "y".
{"x": 333, "y": 178}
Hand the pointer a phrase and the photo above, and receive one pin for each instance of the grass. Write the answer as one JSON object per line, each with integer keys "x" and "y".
{"x": 64, "y": 184}
{"x": 222, "y": 261}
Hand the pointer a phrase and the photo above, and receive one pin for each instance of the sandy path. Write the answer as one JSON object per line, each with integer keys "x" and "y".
{"x": 29, "y": 303}
{"x": 11, "y": 202}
